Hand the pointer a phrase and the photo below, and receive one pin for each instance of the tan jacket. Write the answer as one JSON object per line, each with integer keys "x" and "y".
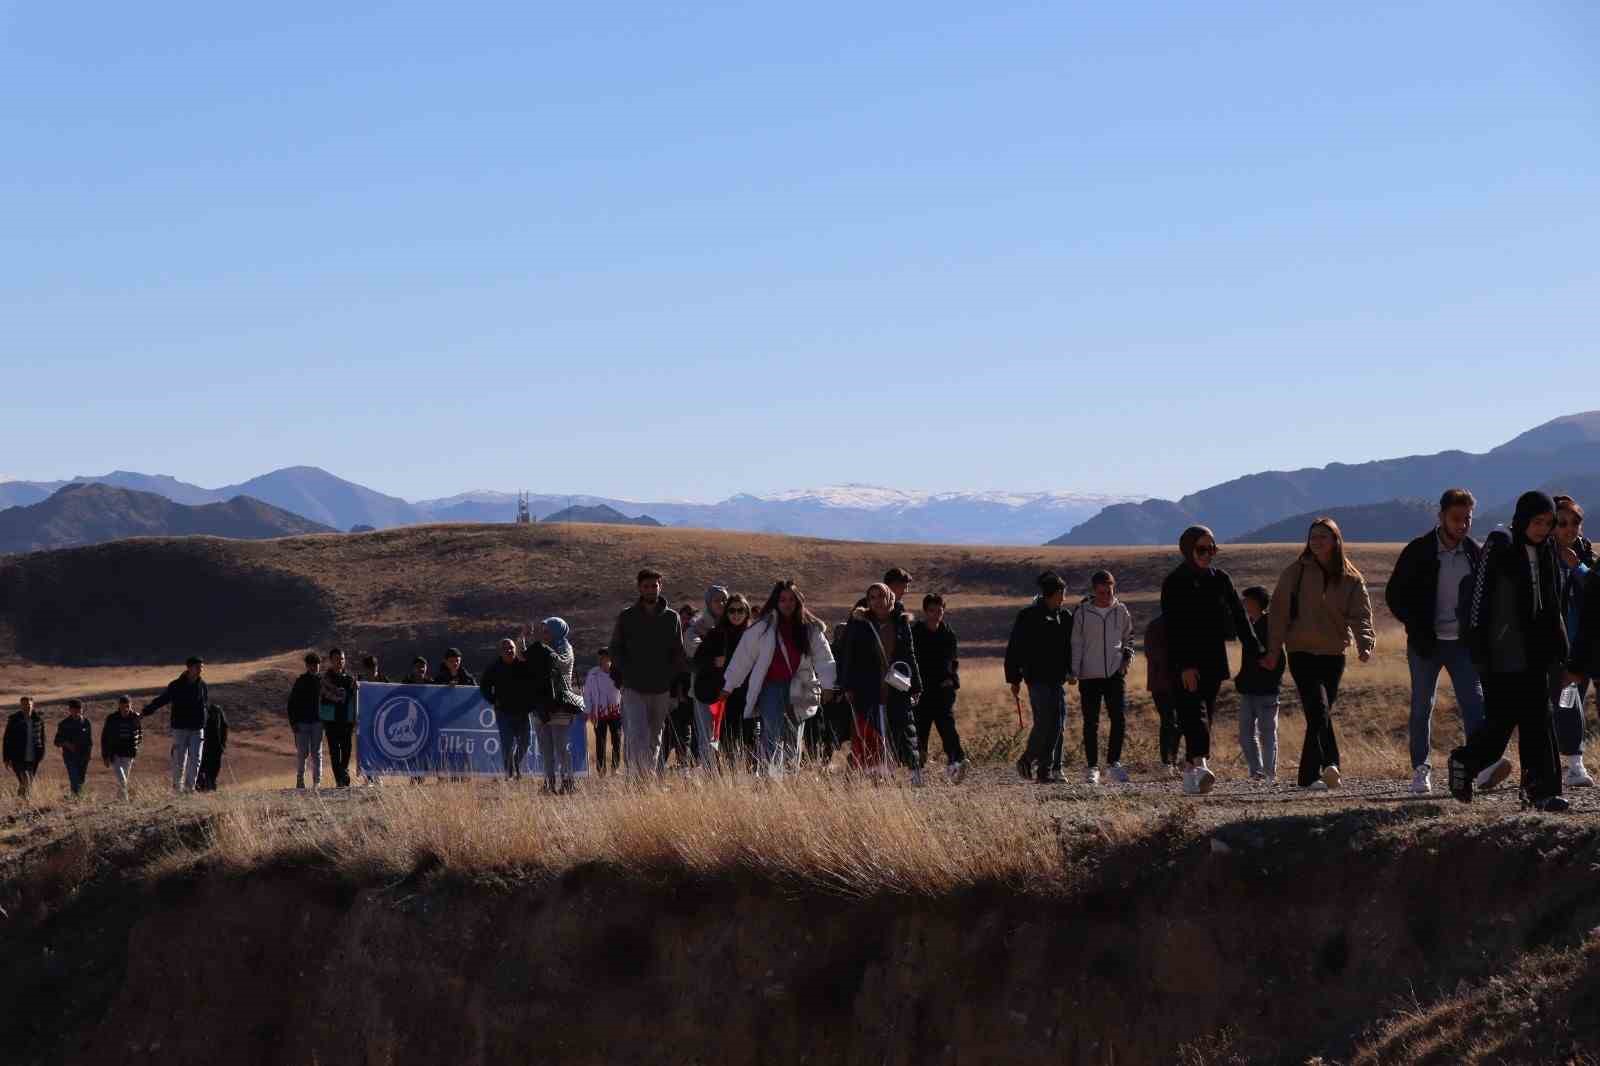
{"x": 1326, "y": 616}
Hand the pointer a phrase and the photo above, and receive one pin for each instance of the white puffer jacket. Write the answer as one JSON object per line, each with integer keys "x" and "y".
{"x": 753, "y": 658}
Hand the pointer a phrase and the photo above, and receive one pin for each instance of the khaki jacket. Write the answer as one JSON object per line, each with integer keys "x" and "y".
{"x": 1326, "y": 617}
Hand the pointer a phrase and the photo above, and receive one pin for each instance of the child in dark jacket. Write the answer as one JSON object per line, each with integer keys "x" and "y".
{"x": 938, "y": 656}
{"x": 1258, "y": 692}
{"x": 75, "y": 738}
{"x": 24, "y": 744}
{"x": 120, "y": 738}
{"x": 216, "y": 747}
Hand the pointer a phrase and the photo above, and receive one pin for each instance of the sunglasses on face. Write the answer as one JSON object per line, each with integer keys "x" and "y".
{"x": 1206, "y": 549}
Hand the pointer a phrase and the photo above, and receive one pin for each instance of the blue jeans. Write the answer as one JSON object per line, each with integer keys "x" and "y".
{"x": 780, "y": 738}
{"x": 77, "y": 770}
{"x": 1049, "y": 705}
{"x": 1258, "y": 731}
{"x": 1452, "y": 656}
{"x": 515, "y": 732}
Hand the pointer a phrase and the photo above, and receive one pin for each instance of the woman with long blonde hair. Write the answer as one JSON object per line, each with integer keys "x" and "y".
{"x": 1321, "y": 602}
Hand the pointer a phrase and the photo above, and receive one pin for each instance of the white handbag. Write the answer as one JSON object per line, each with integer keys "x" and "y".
{"x": 805, "y": 688}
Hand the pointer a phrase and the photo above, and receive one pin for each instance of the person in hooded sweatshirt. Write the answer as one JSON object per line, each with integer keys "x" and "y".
{"x": 1102, "y": 651}
{"x": 75, "y": 738}
{"x": 1258, "y": 690}
{"x": 552, "y": 659}
{"x": 1512, "y": 619}
{"x": 24, "y": 744}
{"x": 1202, "y": 612}
{"x": 1320, "y": 602}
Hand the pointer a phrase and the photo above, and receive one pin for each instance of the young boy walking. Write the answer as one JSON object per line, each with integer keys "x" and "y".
{"x": 120, "y": 737}
{"x": 934, "y": 643}
{"x": 1258, "y": 690}
{"x": 75, "y": 738}
{"x": 24, "y": 744}
{"x": 1102, "y": 649}
{"x": 603, "y": 703}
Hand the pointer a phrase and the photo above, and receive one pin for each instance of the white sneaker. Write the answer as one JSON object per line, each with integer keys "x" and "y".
{"x": 1118, "y": 774}
{"x": 1204, "y": 780}
{"x": 1091, "y": 776}
{"x": 1190, "y": 783}
{"x": 1577, "y": 775}
{"x": 1422, "y": 781}
{"x": 1317, "y": 786}
{"x": 956, "y": 772}
{"x": 1493, "y": 776}
{"x": 1330, "y": 776}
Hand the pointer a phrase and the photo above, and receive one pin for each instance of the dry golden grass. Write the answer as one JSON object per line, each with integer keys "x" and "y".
{"x": 817, "y": 833}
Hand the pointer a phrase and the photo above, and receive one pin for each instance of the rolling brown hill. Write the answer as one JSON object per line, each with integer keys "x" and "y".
{"x": 417, "y": 589}
{"x": 80, "y": 514}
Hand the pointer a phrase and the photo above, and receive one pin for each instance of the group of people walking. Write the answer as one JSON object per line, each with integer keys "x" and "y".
{"x": 737, "y": 687}
{"x": 199, "y": 738}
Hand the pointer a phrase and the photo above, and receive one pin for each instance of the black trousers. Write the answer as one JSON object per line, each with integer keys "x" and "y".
{"x": 604, "y": 729}
{"x": 937, "y": 710}
{"x": 1113, "y": 692}
{"x": 1317, "y": 678}
{"x": 1518, "y": 702}
{"x": 1195, "y": 710}
{"x": 1167, "y": 710}
{"x": 737, "y": 743}
{"x": 338, "y": 734}
{"x": 515, "y": 732}
{"x": 677, "y": 735}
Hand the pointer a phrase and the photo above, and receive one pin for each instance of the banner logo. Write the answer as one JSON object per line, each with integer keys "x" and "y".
{"x": 400, "y": 728}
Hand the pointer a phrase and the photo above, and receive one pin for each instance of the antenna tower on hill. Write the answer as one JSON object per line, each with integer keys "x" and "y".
{"x": 524, "y": 516}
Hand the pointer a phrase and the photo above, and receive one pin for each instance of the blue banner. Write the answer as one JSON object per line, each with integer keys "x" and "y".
{"x": 442, "y": 729}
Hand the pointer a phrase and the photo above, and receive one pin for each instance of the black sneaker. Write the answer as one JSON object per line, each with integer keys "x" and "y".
{"x": 1553, "y": 805}
{"x": 1025, "y": 768}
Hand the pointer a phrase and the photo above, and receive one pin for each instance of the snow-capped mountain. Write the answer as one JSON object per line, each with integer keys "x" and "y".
{"x": 850, "y": 512}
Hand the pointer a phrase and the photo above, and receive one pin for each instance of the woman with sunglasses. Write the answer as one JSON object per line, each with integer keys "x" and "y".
{"x": 1320, "y": 601}
{"x": 737, "y": 736}
{"x": 1197, "y": 602}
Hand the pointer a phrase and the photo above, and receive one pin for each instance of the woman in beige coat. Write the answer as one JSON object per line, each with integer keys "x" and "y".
{"x": 1320, "y": 602}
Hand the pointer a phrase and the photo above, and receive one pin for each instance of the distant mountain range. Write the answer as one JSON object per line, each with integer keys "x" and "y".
{"x": 853, "y": 512}
{"x": 1392, "y": 520}
{"x": 92, "y": 514}
{"x": 1562, "y": 449}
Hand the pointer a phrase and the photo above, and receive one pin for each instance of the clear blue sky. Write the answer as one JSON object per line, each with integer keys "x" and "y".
{"x": 615, "y": 248}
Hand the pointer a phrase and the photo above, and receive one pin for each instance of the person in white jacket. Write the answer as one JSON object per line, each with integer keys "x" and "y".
{"x": 785, "y": 640}
{"x": 1102, "y": 649}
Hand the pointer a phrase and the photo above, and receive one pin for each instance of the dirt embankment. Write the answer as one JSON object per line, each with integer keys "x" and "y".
{"x": 1270, "y": 940}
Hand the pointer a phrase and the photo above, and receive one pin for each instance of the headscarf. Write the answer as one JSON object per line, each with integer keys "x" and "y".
{"x": 558, "y": 635}
{"x": 713, "y": 593}
{"x": 1530, "y": 505}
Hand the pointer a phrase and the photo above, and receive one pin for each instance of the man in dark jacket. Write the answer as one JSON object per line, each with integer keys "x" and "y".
{"x": 305, "y": 719}
{"x": 1039, "y": 654}
{"x": 371, "y": 672}
{"x": 940, "y": 663}
{"x": 509, "y": 686}
{"x": 876, "y": 640}
{"x": 1422, "y": 594}
{"x": 646, "y": 658}
{"x": 337, "y": 708}
{"x": 216, "y": 745}
{"x": 24, "y": 744}
{"x": 120, "y": 738}
{"x": 189, "y": 697}
{"x": 75, "y": 738}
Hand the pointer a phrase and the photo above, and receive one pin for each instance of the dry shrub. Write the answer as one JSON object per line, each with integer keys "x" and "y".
{"x": 819, "y": 833}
